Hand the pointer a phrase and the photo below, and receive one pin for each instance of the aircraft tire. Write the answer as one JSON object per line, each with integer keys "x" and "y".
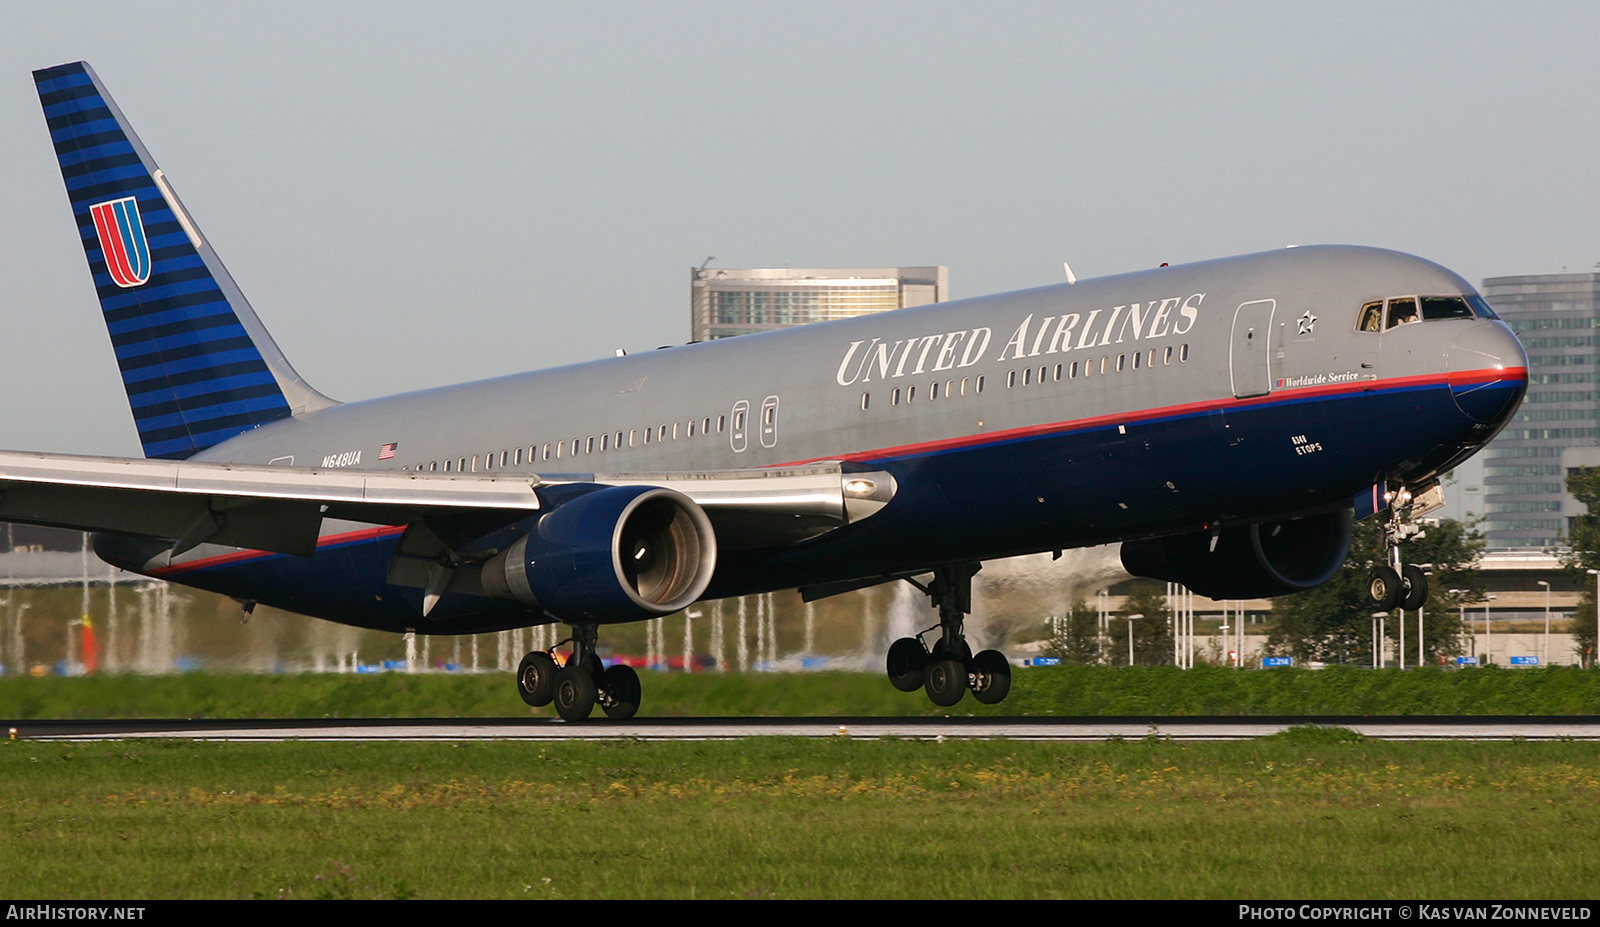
{"x": 1416, "y": 587}
{"x": 536, "y": 679}
{"x": 1383, "y": 588}
{"x": 575, "y": 693}
{"x": 943, "y": 651}
{"x": 908, "y": 662}
{"x": 622, "y": 692}
{"x": 993, "y": 677}
{"x": 945, "y": 682}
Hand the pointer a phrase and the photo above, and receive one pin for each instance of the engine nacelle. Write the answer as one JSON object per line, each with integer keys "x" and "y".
{"x": 1249, "y": 561}
{"x": 618, "y": 553}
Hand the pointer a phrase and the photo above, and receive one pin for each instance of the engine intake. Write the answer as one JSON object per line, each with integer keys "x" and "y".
{"x": 1251, "y": 561}
{"x": 618, "y": 553}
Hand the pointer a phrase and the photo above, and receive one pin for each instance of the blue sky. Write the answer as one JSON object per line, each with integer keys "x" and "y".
{"x": 413, "y": 194}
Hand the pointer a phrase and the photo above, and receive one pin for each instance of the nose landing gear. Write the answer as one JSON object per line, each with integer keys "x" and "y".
{"x": 1394, "y": 584}
{"x": 948, "y": 669}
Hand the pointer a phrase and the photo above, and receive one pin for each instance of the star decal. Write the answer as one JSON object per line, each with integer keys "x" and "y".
{"x": 1307, "y": 322}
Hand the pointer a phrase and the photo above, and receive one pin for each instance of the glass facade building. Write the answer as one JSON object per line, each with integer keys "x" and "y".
{"x": 1557, "y": 318}
{"x": 725, "y": 303}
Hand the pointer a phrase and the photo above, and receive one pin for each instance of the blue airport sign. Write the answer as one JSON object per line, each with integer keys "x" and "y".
{"x": 1466, "y": 661}
{"x": 1045, "y": 661}
{"x": 1277, "y": 661}
{"x": 1524, "y": 661}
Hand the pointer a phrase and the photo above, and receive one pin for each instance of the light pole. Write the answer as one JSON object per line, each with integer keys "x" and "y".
{"x": 1102, "y": 627}
{"x": 1596, "y": 615}
{"x": 1461, "y": 615}
{"x": 1488, "y": 632}
{"x": 1131, "y": 620}
{"x": 1544, "y": 649}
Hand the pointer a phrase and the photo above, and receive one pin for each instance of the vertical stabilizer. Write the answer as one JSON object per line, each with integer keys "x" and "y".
{"x": 198, "y": 365}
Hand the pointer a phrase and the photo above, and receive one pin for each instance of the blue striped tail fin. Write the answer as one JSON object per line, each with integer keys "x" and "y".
{"x": 198, "y": 365}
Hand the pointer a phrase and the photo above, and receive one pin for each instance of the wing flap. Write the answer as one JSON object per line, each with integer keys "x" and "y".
{"x": 278, "y": 509}
{"x": 281, "y": 509}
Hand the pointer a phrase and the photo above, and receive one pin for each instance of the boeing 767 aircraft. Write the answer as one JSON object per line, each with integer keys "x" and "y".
{"x": 1225, "y": 420}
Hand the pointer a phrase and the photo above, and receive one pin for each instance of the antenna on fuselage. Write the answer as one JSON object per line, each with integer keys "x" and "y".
{"x": 1071, "y": 277}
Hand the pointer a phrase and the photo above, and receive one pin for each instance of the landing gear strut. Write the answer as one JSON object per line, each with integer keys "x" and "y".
{"x": 948, "y": 669}
{"x": 1394, "y": 584}
{"x": 581, "y": 684}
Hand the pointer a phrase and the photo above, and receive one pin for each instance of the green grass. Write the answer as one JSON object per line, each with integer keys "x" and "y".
{"x": 1306, "y": 814}
{"x": 1050, "y": 691}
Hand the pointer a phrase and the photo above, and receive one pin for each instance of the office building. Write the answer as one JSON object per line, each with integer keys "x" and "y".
{"x": 725, "y": 303}
{"x": 1557, "y": 317}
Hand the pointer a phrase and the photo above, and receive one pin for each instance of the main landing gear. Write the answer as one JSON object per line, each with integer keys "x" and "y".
{"x": 581, "y": 684}
{"x": 1393, "y": 584}
{"x": 948, "y": 669}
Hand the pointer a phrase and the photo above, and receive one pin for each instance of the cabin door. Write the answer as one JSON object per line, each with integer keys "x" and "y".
{"x": 1249, "y": 358}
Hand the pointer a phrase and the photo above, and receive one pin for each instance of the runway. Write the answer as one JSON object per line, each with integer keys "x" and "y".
{"x": 662, "y": 729}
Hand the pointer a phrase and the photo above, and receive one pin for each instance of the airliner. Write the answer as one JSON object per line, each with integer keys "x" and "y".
{"x": 1225, "y": 420}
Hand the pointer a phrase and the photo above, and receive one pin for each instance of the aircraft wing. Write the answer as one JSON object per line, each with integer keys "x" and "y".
{"x": 281, "y": 509}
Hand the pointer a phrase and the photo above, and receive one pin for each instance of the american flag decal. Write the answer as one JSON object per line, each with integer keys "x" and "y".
{"x": 122, "y": 241}
{"x": 387, "y": 451}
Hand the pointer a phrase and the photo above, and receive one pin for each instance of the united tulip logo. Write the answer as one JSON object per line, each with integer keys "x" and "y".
{"x": 122, "y": 240}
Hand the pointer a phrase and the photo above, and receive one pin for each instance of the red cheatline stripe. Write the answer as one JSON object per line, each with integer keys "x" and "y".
{"x": 1514, "y": 374}
{"x": 238, "y": 556}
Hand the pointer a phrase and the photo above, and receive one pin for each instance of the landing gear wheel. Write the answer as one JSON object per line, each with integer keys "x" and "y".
{"x": 536, "y": 679}
{"x": 991, "y": 677}
{"x": 621, "y": 696}
{"x": 1416, "y": 587}
{"x": 961, "y": 652}
{"x": 945, "y": 682}
{"x": 575, "y": 693}
{"x": 907, "y": 663}
{"x": 1383, "y": 588}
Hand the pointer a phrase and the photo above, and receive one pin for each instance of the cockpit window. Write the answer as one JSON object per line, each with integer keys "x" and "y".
{"x": 1402, "y": 311}
{"x": 1481, "y": 307}
{"x": 1444, "y": 307}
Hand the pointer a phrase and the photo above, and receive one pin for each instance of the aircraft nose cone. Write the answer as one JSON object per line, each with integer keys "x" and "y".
{"x": 1488, "y": 373}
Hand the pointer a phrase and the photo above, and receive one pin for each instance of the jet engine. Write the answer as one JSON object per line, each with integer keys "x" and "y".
{"x": 1250, "y": 561}
{"x": 617, "y": 553}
